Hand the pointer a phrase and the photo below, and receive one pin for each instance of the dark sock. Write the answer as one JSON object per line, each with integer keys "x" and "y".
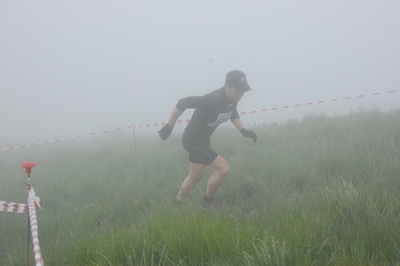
{"x": 208, "y": 199}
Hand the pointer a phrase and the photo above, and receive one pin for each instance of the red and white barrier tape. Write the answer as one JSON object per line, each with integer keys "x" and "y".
{"x": 33, "y": 203}
{"x": 68, "y": 138}
{"x": 35, "y": 233}
{"x": 318, "y": 102}
{"x": 6, "y": 206}
{"x": 187, "y": 120}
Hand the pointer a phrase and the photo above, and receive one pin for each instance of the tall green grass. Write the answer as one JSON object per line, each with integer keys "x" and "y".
{"x": 320, "y": 191}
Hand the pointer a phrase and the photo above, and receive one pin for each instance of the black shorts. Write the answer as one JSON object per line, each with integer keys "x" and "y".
{"x": 199, "y": 150}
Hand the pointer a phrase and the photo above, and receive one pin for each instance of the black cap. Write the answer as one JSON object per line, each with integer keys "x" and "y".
{"x": 237, "y": 79}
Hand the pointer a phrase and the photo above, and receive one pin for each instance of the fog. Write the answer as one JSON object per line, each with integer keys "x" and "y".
{"x": 76, "y": 67}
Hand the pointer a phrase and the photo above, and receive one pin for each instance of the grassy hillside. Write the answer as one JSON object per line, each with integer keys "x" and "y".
{"x": 320, "y": 191}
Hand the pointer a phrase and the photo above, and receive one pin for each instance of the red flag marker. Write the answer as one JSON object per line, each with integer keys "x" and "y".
{"x": 28, "y": 166}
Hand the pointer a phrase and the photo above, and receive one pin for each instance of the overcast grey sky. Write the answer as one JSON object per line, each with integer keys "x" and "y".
{"x": 76, "y": 67}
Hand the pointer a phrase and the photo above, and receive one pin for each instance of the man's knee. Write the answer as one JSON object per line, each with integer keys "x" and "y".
{"x": 224, "y": 170}
{"x": 220, "y": 166}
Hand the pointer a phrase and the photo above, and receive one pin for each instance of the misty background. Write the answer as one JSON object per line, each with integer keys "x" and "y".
{"x": 75, "y": 67}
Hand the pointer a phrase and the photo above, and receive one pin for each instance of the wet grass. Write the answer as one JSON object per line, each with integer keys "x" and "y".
{"x": 320, "y": 191}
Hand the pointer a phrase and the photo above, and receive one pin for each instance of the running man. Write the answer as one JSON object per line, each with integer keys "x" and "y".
{"x": 211, "y": 110}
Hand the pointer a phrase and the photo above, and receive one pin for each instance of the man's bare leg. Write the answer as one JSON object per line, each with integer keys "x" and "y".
{"x": 221, "y": 170}
{"x": 195, "y": 175}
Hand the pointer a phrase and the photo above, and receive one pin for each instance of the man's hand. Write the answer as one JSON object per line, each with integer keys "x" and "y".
{"x": 249, "y": 134}
{"x": 165, "y": 131}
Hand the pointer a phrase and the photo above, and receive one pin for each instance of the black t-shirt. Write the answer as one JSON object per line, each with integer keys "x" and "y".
{"x": 212, "y": 110}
